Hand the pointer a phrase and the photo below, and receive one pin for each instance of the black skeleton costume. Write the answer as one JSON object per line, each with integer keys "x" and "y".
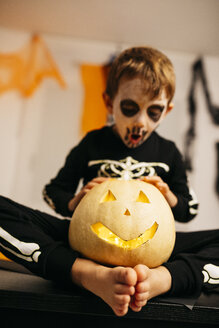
{"x": 102, "y": 153}
{"x": 40, "y": 241}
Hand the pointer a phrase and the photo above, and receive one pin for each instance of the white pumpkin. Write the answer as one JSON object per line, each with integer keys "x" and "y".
{"x": 124, "y": 223}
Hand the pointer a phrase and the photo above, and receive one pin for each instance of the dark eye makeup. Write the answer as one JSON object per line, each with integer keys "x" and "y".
{"x": 129, "y": 107}
{"x": 155, "y": 112}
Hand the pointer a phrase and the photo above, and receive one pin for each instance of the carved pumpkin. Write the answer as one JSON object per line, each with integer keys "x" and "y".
{"x": 124, "y": 223}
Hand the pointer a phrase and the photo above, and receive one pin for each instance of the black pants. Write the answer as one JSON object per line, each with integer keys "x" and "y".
{"x": 39, "y": 242}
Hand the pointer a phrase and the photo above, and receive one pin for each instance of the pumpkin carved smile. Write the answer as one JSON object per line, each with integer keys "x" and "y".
{"x": 106, "y": 234}
{"x": 123, "y": 222}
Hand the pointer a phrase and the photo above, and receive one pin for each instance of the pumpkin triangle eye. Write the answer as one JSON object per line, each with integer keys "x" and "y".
{"x": 142, "y": 198}
{"x": 109, "y": 197}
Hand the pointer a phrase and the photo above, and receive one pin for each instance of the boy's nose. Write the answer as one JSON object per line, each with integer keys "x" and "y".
{"x": 141, "y": 120}
{"x": 139, "y": 127}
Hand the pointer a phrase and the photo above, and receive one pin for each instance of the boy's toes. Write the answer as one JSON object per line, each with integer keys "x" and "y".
{"x": 122, "y": 300}
{"x": 140, "y": 304}
{"x": 142, "y": 272}
{"x": 138, "y": 301}
{"x": 141, "y": 296}
{"x": 134, "y": 307}
{"x": 121, "y": 304}
{"x": 126, "y": 276}
{"x": 121, "y": 311}
{"x": 124, "y": 289}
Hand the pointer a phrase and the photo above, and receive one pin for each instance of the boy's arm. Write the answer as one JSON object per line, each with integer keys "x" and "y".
{"x": 73, "y": 203}
{"x": 164, "y": 189}
{"x": 61, "y": 189}
{"x": 187, "y": 204}
{"x": 175, "y": 189}
{"x": 179, "y": 204}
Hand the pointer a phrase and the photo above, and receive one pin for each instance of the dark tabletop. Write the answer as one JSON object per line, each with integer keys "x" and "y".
{"x": 24, "y": 295}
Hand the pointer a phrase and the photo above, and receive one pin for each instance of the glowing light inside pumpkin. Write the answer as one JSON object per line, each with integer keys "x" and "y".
{"x": 106, "y": 234}
{"x": 142, "y": 198}
{"x": 127, "y": 212}
{"x": 109, "y": 197}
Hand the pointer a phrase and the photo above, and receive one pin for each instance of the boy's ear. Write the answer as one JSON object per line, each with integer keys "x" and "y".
{"x": 108, "y": 102}
{"x": 169, "y": 108}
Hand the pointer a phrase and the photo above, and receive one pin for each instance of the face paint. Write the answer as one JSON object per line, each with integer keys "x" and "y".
{"x": 134, "y": 137}
{"x": 135, "y": 114}
{"x": 155, "y": 112}
{"x": 129, "y": 107}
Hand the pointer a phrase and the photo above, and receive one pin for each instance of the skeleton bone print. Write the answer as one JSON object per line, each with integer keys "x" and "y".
{"x": 127, "y": 168}
{"x": 29, "y": 252}
{"x": 211, "y": 274}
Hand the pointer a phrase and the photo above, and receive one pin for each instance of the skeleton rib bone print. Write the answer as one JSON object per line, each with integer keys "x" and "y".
{"x": 127, "y": 168}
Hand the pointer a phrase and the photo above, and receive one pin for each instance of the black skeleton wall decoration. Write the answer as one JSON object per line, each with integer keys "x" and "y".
{"x": 198, "y": 73}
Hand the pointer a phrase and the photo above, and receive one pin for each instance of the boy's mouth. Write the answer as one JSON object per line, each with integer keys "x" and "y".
{"x": 135, "y": 138}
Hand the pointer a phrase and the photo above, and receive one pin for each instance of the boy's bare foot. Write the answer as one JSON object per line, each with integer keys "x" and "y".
{"x": 151, "y": 283}
{"x": 114, "y": 285}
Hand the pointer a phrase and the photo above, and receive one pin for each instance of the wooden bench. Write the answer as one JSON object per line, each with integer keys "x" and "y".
{"x": 26, "y": 299}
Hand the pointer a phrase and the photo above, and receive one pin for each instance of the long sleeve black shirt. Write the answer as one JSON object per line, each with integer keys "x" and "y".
{"x": 102, "y": 153}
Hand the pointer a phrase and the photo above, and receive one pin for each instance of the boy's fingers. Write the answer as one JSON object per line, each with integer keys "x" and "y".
{"x": 100, "y": 179}
{"x": 93, "y": 183}
{"x": 90, "y": 185}
{"x": 85, "y": 191}
{"x": 153, "y": 179}
{"x": 158, "y": 183}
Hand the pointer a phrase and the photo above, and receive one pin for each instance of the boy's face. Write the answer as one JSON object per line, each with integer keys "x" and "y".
{"x": 135, "y": 115}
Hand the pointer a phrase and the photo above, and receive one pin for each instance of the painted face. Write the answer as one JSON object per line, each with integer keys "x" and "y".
{"x": 136, "y": 116}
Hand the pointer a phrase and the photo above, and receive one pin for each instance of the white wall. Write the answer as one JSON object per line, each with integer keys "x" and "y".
{"x": 36, "y": 134}
{"x": 203, "y": 177}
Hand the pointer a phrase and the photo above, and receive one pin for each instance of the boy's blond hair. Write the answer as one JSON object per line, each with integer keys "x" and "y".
{"x": 147, "y": 63}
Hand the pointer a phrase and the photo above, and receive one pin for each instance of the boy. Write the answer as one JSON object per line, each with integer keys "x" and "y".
{"x": 139, "y": 91}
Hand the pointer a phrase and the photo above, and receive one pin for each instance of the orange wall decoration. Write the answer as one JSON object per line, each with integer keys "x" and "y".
{"x": 25, "y": 69}
{"x": 94, "y": 114}
{"x": 2, "y": 257}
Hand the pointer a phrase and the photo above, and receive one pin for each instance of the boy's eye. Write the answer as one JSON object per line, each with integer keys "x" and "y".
{"x": 154, "y": 112}
{"x": 129, "y": 107}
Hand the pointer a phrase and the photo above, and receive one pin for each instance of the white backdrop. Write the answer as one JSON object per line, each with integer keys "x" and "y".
{"x": 37, "y": 133}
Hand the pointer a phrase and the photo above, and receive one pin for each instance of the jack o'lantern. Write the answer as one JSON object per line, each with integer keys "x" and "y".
{"x": 125, "y": 223}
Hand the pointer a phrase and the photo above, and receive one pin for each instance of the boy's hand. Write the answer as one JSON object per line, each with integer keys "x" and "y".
{"x": 73, "y": 203}
{"x": 163, "y": 187}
